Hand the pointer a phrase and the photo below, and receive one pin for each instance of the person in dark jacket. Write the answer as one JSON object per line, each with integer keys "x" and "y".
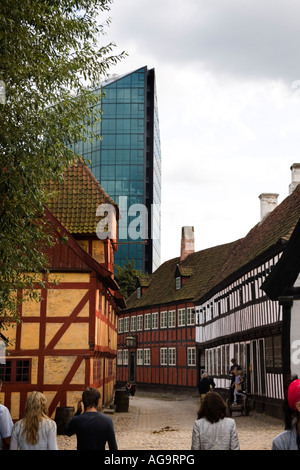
{"x": 92, "y": 428}
{"x": 205, "y": 385}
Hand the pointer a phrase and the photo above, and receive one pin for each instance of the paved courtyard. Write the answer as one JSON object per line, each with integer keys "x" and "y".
{"x": 165, "y": 422}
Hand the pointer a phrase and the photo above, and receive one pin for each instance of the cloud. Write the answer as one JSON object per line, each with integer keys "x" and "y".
{"x": 241, "y": 38}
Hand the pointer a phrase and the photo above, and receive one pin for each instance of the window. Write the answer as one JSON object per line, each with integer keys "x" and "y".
{"x": 154, "y": 321}
{"x": 178, "y": 283}
{"x": 140, "y": 357}
{"x": 163, "y": 356}
{"x": 273, "y": 353}
{"x": 139, "y": 325}
{"x": 172, "y": 319}
{"x": 147, "y": 357}
{"x": 120, "y": 325}
{"x": 125, "y": 357}
{"x": 163, "y": 319}
{"x": 190, "y": 316}
{"x": 120, "y": 357}
{"x": 147, "y": 321}
{"x": 126, "y": 324}
{"x": 138, "y": 292}
{"x": 181, "y": 317}
{"x": 16, "y": 371}
{"x": 191, "y": 356}
{"x": 133, "y": 323}
{"x": 172, "y": 357}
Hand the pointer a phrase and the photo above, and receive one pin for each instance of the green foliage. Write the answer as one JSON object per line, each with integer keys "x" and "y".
{"x": 126, "y": 277}
{"x": 50, "y": 60}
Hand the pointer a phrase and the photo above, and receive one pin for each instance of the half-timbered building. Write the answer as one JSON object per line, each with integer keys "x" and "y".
{"x": 68, "y": 340}
{"x": 236, "y": 318}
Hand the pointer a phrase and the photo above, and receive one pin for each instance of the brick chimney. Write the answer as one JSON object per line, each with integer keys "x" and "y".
{"x": 268, "y": 202}
{"x": 187, "y": 242}
{"x": 295, "y": 176}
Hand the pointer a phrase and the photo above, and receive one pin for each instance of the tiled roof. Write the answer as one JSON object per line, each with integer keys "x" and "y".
{"x": 213, "y": 266}
{"x": 75, "y": 199}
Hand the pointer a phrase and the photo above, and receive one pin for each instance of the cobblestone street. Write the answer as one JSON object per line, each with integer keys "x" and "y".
{"x": 165, "y": 422}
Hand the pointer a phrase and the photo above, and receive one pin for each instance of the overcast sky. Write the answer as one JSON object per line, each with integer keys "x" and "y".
{"x": 228, "y": 84}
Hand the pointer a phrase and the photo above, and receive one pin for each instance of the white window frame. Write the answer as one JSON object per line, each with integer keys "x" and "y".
{"x": 190, "y": 316}
{"x": 191, "y": 357}
{"x": 133, "y": 323}
{"x": 164, "y": 319}
{"x": 139, "y": 322}
{"x": 172, "y": 356}
{"x": 120, "y": 325}
{"x": 147, "y": 321}
{"x": 181, "y": 317}
{"x": 139, "y": 357}
{"x": 172, "y": 319}
{"x": 147, "y": 357}
{"x": 154, "y": 320}
{"x": 125, "y": 357}
{"x": 163, "y": 356}
{"x": 120, "y": 357}
{"x": 126, "y": 324}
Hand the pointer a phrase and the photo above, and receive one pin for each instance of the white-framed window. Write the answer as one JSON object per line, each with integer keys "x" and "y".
{"x": 172, "y": 316}
{"x": 140, "y": 357}
{"x": 191, "y": 356}
{"x": 163, "y": 319}
{"x": 125, "y": 357}
{"x": 146, "y": 357}
{"x": 120, "y": 357}
{"x": 163, "y": 356}
{"x": 181, "y": 317}
{"x": 133, "y": 323}
{"x": 178, "y": 283}
{"x": 154, "y": 321}
{"x": 190, "y": 316}
{"x": 172, "y": 356}
{"x": 126, "y": 324}
{"x": 139, "y": 293}
{"x": 139, "y": 322}
{"x": 147, "y": 321}
{"x": 120, "y": 325}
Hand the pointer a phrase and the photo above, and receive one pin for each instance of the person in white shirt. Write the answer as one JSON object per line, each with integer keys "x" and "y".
{"x": 6, "y": 425}
{"x": 35, "y": 431}
{"x": 214, "y": 430}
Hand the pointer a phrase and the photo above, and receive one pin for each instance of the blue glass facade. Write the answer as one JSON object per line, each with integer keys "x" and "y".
{"x": 127, "y": 163}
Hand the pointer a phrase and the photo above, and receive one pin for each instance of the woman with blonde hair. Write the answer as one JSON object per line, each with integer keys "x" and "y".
{"x": 35, "y": 431}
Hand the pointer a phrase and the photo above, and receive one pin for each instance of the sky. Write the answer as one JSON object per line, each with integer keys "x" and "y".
{"x": 228, "y": 86}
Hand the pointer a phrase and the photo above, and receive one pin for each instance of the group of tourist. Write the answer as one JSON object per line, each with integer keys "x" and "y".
{"x": 213, "y": 430}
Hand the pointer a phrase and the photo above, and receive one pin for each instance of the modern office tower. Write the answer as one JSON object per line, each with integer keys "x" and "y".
{"x": 127, "y": 163}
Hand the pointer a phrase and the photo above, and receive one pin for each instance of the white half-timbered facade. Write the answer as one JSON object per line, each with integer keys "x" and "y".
{"x": 235, "y": 318}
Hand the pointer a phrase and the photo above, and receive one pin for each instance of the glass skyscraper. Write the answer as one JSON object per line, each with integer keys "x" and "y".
{"x": 127, "y": 163}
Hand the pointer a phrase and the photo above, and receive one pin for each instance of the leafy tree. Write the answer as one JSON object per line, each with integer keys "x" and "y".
{"x": 50, "y": 61}
{"x": 126, "y": 277}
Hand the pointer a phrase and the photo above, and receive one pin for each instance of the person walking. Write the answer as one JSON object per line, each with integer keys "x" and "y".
{"x": 36, "y": 431}
{"x": 205, "y": 385}
{"x": 92, "y": 428}
{"x": 6, "y": 425}
{"x": 214, "y": 430}
{"x": 289, "y": 439}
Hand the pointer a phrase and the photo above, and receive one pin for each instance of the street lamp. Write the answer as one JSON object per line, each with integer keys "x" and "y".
{"x": 130, "y": 341}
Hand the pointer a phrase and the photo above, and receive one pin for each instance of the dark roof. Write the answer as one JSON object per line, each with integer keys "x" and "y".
{"x": 214, "y": 266}
{"x": 75, "y": 199}
{"x": 284, "y": 274}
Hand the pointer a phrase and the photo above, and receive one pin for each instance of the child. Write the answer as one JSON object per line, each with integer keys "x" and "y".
{"x": 237, "y": 385}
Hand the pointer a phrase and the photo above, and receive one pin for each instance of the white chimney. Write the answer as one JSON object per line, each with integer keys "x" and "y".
{"x": 187, "y": 242}
{"x": 295, "y": 177}
{"x": 268, "y": 202}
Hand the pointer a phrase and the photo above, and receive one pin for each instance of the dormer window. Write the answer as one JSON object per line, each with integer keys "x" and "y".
{"x": 138, "y": 292}
{"x": 178, "y": 282}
